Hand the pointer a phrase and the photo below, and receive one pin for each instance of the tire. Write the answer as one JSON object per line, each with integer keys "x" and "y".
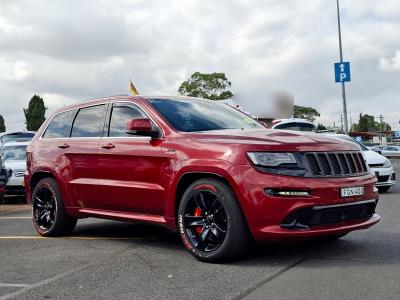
{"x": 1, "y": 198}
{"x": 211, "y": 223}
{"x": 48, "y": 213}
{"x": 383, "y": 189}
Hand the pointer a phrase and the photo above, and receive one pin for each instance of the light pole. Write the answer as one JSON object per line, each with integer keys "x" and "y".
{"x": 346, "y": 126}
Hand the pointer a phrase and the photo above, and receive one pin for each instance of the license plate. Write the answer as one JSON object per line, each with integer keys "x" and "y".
{"x": 352, "y": 191}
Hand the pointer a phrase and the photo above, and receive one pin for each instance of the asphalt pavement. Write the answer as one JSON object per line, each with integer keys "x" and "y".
{"x": 104, "y": 259}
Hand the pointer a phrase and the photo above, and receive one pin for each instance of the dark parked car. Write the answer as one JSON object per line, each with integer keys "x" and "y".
{"x": 211, "y": 172}
{"x": 3, "y": 181}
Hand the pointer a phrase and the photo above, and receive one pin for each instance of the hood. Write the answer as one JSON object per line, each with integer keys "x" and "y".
{"x": 15, "y": 164}
{"x": 373, "y": 157}
{"x": 298, "y": 141}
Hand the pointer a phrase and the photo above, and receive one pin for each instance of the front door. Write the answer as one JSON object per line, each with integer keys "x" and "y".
{"x": 131, "y": 167}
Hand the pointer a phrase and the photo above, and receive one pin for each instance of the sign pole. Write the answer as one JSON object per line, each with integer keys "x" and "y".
{"x": 346, "y": 127}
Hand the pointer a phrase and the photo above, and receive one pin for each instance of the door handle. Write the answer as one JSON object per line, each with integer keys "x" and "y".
{"x": 63, "y": 146}
{"x": 108, "y": 146}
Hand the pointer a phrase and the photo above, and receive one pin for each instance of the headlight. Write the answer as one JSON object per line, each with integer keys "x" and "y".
{"x": 387, "y": 164}
{"x": 277, "y": 162}
{"x": 271, "y": 159}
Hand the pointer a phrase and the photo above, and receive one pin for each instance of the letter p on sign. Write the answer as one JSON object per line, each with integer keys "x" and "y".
{"x": 342, "y": 72}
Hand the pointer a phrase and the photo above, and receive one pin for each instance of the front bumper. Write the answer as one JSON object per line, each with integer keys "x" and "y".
{"x": 15, "y": 186}
{"x": 265, "y": 213}
{"x": 385, "y": 176}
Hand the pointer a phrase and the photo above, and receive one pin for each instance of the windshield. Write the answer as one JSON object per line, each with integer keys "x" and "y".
{"x": 13, "y": 152}
{"x": 202, "y": 115}
{"x": 17, "y": 137}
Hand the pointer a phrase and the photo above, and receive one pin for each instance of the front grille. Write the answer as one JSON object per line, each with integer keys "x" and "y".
{"x": 335, "y": 164}
{"x": 306, "y": 218}
{"x": 383, "y": 178}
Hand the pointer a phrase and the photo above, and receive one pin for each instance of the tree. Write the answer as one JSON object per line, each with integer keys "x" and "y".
{"x": 305, "y": 112}
{"x": 2, "y": 125}
{"x": 321, "y": 127}
{"x": 34, "y": 114}
{"x": 367, "y": 123}
{"x": 212, "y": 86}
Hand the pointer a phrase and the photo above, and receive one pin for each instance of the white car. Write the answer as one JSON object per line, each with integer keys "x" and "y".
{"x": 13, "y": 155}
{"x": 382, "y": 168}
{"x": 294, "y": 124}
{"x": 390, "y": 151}
{"x": 377, "y": 163}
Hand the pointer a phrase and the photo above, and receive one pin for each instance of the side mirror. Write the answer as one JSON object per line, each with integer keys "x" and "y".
{"x": 141, "y": 127}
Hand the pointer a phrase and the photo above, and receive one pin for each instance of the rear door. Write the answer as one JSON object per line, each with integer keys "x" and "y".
{"x": 81, "y": 153}
{"x": 131, "y": 167}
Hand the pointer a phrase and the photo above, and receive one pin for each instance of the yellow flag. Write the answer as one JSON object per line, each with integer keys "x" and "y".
{"x": 132, "y": 89}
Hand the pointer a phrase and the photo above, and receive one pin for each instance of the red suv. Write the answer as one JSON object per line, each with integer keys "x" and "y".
{"x": 198, "y": 166}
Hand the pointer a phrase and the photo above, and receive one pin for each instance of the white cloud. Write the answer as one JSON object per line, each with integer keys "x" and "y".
{"x": 391, "y": 63}
{"x": 14, "y": 70}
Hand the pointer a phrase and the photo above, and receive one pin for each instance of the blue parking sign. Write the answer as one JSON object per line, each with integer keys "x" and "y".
{"x": 342, "y": 71}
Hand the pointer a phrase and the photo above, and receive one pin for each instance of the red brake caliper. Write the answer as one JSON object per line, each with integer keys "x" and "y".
{"x": 198, "y": 213}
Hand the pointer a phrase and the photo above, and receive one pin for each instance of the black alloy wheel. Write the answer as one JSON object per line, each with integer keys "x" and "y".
{"x": 205, "y": 220}
{"x": 48, "y": 212}
{"x": 44, "y": 207}
{"x": 211, "y": 223}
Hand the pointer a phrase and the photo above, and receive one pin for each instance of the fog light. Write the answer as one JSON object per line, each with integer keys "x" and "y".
{"x": 375, "y": 189}
{"x": 287, "y": 193}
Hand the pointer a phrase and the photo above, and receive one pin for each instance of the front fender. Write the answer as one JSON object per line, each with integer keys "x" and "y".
{"x": 220, "y": 168}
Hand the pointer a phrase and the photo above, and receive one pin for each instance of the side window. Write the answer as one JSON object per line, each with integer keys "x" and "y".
{"x": 120, "y": 116}
{"x": 89, "y": 122}
{"x": 60, "y": 126}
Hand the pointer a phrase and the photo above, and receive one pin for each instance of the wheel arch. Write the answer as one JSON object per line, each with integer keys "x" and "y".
{"x": 37, "y": 176}
{"x": 187, "y": 178}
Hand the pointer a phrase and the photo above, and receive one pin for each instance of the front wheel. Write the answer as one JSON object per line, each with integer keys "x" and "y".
{"x": 211, "y": 223}
{"x": 48, "y": 212}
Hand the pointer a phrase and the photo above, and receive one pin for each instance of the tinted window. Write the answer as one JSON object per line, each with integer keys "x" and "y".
{"x": 296, "y": 126}
{"x": 119, "y": 118}
{"x": 89, "y": 122}
{"x": 198, "y": 115}
{"x": 60, "y": 126}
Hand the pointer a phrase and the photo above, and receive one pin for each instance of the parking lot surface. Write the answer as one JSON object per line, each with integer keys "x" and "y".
{"x": 104, "y": 259}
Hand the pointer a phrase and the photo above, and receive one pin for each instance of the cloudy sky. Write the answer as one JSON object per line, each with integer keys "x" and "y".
{"x": 70, "y": 51}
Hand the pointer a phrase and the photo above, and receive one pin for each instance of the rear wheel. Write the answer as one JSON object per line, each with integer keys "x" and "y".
{"x": 211, "y": 223}
{"x": 48, "y": 212}
{"x": 383, "y": 189}
{"x": 1, "y": 198}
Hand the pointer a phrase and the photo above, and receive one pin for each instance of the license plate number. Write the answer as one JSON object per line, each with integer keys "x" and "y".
{"x": 352, "y": 191}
